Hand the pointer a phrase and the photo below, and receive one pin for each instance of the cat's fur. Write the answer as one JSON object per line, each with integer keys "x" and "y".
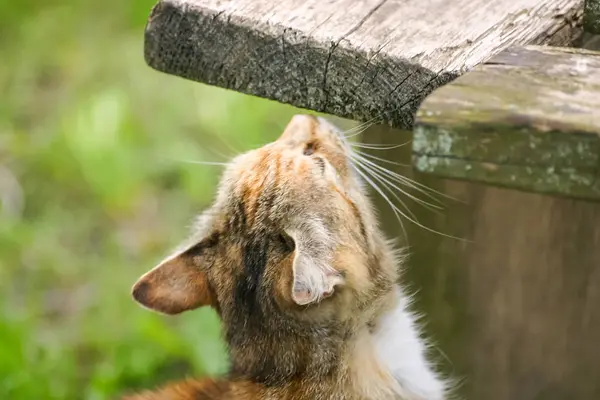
{"x": 291, "y": 257}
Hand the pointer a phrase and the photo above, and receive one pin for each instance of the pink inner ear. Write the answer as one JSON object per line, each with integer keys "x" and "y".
{"x": 174, "y": 286}
{"x": 304, "y": 293}
{"x": 302, "y": 296}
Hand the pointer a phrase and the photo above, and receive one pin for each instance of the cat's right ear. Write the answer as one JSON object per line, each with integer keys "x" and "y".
{"x": 177, "y": 284}
{"x": 313, "y": 275}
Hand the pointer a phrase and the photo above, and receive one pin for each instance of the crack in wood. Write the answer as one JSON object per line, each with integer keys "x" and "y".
{"x": 337, "y": 43}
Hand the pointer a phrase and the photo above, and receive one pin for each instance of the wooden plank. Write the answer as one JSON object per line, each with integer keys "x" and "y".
{"x": 528, "y": 119}
{"x": 360, "y": 59}
{"x": 513, "y": 309}
{"x": 591, "y": 16}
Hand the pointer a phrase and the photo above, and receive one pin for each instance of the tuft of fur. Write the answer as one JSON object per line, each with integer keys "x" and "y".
{"x": 291, "y": 257}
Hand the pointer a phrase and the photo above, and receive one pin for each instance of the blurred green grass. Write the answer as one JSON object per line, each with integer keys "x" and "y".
{"x": 94, "y": 190}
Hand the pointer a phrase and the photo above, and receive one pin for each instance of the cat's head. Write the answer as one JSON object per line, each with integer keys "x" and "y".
{"x": 291, "y": 232}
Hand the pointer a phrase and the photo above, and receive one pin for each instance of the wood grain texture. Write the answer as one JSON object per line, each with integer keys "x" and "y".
{"x": 513, "y": 308}
{"x": 591, "y": 16}
{"x": 361, "y": 59}
{"x": 529, "y": 119}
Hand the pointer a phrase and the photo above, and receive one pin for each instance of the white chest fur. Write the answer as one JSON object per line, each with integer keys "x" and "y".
{"x": 402, "y": 351}
{"x": 396, "y": 357}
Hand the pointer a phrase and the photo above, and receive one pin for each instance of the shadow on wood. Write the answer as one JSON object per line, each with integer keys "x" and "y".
{"x": 516, "y": 310}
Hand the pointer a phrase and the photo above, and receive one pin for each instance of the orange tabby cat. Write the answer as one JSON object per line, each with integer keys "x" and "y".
{"x": 291, "y": 257}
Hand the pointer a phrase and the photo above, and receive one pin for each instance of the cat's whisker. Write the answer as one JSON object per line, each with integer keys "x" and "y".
{"x": 386, "y": 184}
{"x": 424, "y": 189}
{"x": 389, "y": 183}
{"x": 371, "y": 156}
{"x": 374, "y": 146}
{"x": 399, "y": 214}
{"x": 405, "y": 180}
{"x": 362, "y": 124}
{"x": 203, "y": 162}
{"x": 399, "y": 179}
{"x": 355, "y": 128}
{"x": 362, "y": 127}
{"x": 229, "y": 145}
{"x": 359, "y": 131}
{"x": 416, "y": 185}
{"x": 394, "y": 207}
{"x": 429, "y": 189}
{"x": 215, "y": 151}
{"x": 382, "y": 194}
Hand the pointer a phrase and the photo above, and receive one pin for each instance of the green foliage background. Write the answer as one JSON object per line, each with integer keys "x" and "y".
{"x": 94, "y": 190}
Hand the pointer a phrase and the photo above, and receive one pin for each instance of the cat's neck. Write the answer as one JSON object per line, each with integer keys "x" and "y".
{"x": 392, "y": 359}
{"x": 384, "y": 359}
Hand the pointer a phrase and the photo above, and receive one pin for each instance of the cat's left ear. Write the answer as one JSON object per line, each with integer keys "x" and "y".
{"x": 177, "y": 284}
{"x": 313, "y": 274}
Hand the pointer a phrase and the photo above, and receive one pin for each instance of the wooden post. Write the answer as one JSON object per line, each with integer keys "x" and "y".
{"x": 515, "y": 307}
{"x": 591, "y": 16}
{"x": 528, "y": 118}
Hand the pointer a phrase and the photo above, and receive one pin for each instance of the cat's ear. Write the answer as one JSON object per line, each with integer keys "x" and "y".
{"x": 177, "y": 284}
{"x": 313, "y": 275}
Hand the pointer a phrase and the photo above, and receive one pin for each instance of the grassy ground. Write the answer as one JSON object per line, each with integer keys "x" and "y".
{"x": 94, "y": 190}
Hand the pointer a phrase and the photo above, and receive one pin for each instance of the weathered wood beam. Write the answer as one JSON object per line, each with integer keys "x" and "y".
{"x": 528, "y": 119}
{"x": 360, "y": 59}
{"x": 591, "y": 16}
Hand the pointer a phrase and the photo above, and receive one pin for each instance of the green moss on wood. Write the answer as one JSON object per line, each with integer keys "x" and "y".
{"x": 570, "y": 182}
{"x": 504, "y": 144}
{"x": 528, "y": 119}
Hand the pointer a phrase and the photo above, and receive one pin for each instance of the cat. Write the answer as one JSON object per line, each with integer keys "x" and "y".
{"x": 291, "y": 257}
